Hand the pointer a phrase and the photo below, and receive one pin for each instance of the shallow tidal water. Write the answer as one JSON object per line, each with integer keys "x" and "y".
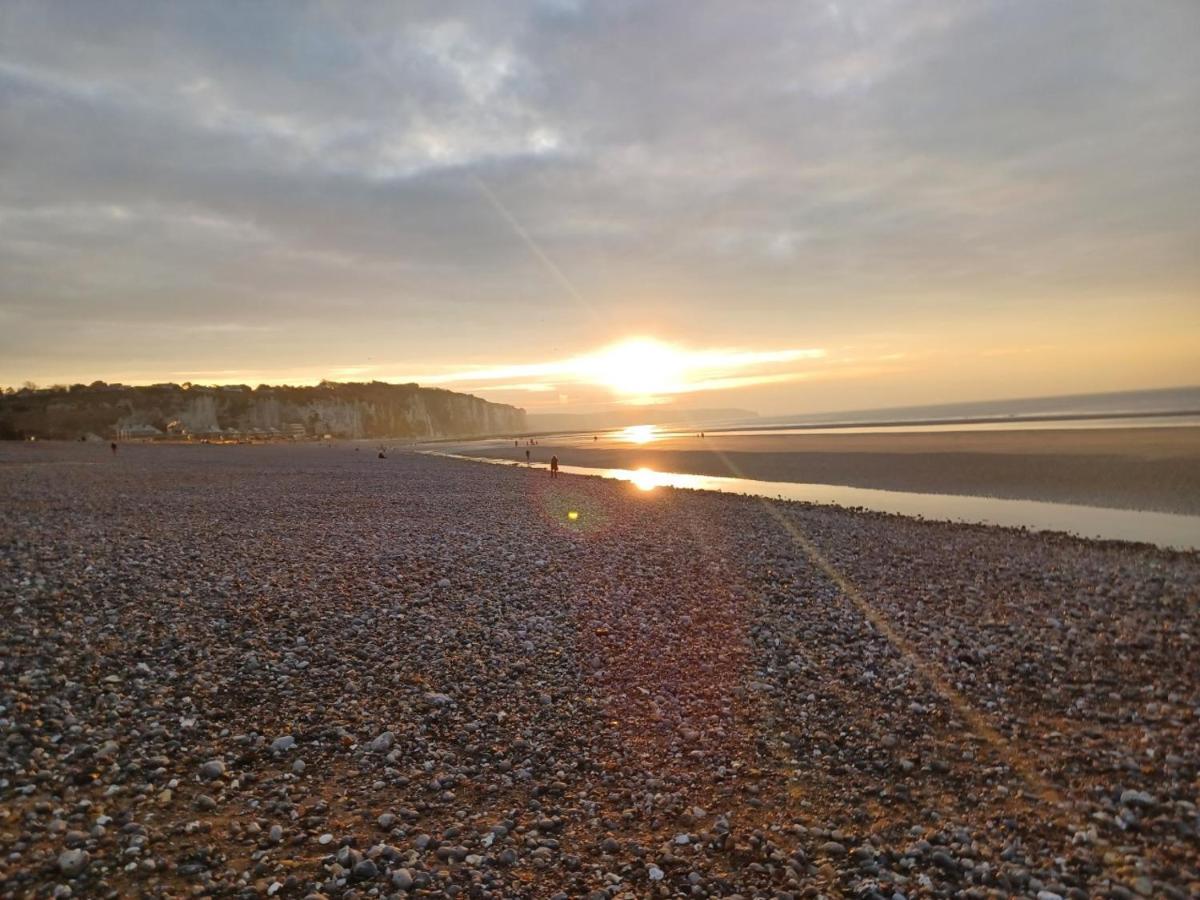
{"x": 1169, "y": 530}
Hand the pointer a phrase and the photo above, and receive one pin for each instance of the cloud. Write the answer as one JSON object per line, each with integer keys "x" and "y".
{"x": 706, "y": 172}
{"x": 636, "y": 370}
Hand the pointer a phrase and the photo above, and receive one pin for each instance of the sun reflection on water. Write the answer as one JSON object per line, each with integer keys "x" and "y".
{"x": 646, "y": 479}
{"x": 638, "y": 434}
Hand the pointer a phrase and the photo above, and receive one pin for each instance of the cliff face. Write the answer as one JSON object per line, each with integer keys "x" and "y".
{"x": 374, "y": 410}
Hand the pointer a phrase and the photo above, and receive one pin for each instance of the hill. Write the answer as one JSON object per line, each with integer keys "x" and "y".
{"x": 347, "y": 410}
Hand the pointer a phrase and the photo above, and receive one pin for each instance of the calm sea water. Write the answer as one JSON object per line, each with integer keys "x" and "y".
{"x": 1056, "y": 424}
{"x": 1170, "y": 530}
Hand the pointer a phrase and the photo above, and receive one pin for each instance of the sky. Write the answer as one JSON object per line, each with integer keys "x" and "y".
{"x": 572, "y": 206}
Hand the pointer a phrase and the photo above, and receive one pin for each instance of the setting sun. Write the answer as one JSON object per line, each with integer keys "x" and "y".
{"x": 636, "y": 371}
{"x": 640, "y": 367}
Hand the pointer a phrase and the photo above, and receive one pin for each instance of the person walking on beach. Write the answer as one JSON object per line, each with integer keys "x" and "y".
{"x": 553, "y": 466}
{"x": 526, "y": 457}
{"x": 114, "y": 447}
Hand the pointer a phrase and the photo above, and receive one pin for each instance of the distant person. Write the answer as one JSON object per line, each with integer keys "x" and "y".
{"x": 114, "y": 447}
{"x": 516, "y": 443}
{"x": 553, "y": 466}
{"x": 526, "y": 457}
{"x": 595, "y": 437}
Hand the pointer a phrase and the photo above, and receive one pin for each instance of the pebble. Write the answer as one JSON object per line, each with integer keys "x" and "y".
{"x": 383, "y": 743}
{"x": 73, "y": 862}
{"x": 364, "y": 870}
{"x": 665, "y": 696}
{"x": 402, "y": 879}
{"x": 205, "y": 803}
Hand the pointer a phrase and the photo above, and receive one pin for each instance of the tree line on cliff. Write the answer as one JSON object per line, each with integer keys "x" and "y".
{"x": 351, "y": 410}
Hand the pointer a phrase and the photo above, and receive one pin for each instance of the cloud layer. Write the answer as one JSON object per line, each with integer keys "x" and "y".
{"x": 287, "y": 187}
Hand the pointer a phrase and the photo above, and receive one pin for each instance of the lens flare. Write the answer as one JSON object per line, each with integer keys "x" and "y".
{"x": 573, "y": 515}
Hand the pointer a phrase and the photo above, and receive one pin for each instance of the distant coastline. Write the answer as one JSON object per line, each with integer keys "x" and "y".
{"x": 1179, "y": 400}
{"x": 977, "y": 420}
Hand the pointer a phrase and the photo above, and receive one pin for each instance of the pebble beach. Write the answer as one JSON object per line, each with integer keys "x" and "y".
{"x": 305, "y": 671}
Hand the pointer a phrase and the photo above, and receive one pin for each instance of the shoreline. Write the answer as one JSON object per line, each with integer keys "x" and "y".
{"x": 1153, "y": 469}
{"x": 1172, "y": 532}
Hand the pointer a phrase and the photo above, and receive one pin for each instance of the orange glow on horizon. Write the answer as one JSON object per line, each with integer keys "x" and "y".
{"x": 636, "y": 371}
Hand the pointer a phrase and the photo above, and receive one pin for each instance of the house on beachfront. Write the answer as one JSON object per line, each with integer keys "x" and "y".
{"x": 137, "y": 432}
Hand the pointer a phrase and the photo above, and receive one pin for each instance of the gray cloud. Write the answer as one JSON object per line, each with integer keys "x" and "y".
{"x": 313, "y": 168}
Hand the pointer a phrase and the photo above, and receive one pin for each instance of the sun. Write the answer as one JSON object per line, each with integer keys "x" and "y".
{"x": 641, "y": 368}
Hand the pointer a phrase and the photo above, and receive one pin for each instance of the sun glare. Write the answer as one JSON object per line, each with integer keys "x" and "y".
{"x": 638, "y": 434}
{"x": 645, "y": 479}
{"x": 640, "y": 367}
{"x": 636, "y": 371}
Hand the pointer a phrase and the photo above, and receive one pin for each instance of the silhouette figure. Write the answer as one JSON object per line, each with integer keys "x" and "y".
{"x": 553, "y": 466}
{"x": 526, "y": 457}
{"x": 114, "y": 448}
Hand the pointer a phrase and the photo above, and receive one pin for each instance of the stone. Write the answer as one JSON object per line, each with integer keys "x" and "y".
{"x": 73, "y": 862}
{"x": 382, "y": 743}
{"x": 364, "y": 870}
{"x": 402, "y": 879}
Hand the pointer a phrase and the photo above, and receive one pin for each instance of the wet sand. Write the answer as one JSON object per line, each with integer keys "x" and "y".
{"x": 305, "y": 671}
{"x": 1127, "y": 468}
